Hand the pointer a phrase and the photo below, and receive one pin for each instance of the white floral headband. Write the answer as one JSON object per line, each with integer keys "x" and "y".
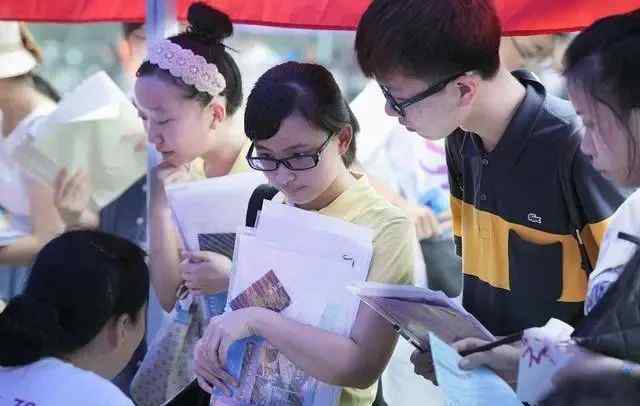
{"x": 184, "y": 64}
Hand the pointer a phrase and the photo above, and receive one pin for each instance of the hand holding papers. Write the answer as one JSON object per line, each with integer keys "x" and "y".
{"x": 415, "y": 312}
{"x": 208, "y": 213}
{"x": 478, "y": 387}
{"x": 545, "y": 351}
{"x": 95, "y": 128}
{"x": 297, "y": 263}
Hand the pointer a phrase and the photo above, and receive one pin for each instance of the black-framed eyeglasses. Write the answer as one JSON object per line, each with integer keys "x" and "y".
{"x": 400, "y": 107}
{"x": 297, "y": 162}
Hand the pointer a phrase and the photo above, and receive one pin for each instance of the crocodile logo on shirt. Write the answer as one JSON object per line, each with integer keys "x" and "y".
{"x": 534, "y": 218}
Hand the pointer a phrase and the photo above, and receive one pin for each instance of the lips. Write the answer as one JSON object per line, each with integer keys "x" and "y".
{"x": 291, "y": 190}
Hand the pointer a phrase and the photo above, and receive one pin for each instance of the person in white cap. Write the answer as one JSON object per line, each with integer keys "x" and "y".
{"x": 24, "y": 97}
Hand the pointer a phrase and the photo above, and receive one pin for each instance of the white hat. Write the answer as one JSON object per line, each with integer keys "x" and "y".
{"x": 15, "y": 59}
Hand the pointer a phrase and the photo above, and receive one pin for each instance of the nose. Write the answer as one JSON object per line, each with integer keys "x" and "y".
{"x": 282, "y": 176}
{"x": 153, "y": 134}
{"x": 390, "y": 111}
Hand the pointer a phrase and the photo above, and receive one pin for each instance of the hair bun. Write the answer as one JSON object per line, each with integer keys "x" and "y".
{"x": 208, "y": 22}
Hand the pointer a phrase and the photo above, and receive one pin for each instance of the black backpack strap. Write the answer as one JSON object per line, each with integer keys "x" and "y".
{"x": 569, "y": 197}
{"x": 259, "y": 195}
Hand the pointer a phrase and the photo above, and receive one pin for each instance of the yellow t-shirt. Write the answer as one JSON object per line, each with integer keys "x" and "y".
{"x": 196, "y": 167}
{"x": 394, "y": 242}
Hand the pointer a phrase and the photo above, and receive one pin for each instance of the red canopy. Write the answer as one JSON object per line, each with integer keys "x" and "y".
{"x": 518, "y": 16}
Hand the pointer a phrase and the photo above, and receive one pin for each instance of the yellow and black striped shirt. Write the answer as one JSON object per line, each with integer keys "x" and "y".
{"x": 521, "y": 262}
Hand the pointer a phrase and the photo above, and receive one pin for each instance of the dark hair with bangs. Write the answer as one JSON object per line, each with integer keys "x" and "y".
{"x": 429, "y": 39}
{"x": 298, "y": 88}
{"x": 604, "y": 61}
{"x": 207, "y": 28}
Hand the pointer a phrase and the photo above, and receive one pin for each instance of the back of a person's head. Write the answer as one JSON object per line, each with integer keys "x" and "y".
{"x": 78, "y": 282}
{"x": 307, "y": 89}
{"x": 604, "y": 60}
{"x": 207, "y": 29}
{"x": 429, "y": 39}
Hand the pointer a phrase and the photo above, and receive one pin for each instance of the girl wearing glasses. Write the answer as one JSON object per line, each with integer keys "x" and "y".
{"x": 187, "y": 94}
{"x": 302, "y": 134}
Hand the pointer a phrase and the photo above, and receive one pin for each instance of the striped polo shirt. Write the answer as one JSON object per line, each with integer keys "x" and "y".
{"x": 521, "y": 260}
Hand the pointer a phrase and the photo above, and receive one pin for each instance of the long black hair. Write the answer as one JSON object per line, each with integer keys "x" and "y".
{"x": 79, "y": 281}
{"x": 604, "y": 60}
{"x": 207, "y": 29}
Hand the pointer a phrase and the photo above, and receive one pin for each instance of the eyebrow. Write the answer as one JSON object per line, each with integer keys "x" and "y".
{"x": 291, "y": 148}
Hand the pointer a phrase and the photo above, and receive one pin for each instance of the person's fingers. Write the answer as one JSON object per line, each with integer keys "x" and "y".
{"x": 445, "y": 216}
{"x": 199, "y": 256}
{"x": 446, "y": 225}
{"x": 204, "y": 385}
{"x": 223, "y": 352}
{"x": 212, "y": 343}
{"x": 433, "y": 223}
{"x": 65, "y": 186}
{"x": 59, "y": 181}
{"x": 210, "y": 380}
{"x": 468, "y": 344}
{"x": 476, "y": 360}
{"x": 423, "y": 228}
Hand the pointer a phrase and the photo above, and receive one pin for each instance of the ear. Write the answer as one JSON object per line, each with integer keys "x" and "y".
{"x": 345, "y": 136}
{"x": 217, "y": 111}
{"x": 468, "y": 89}
{"x": 118, "y": 330}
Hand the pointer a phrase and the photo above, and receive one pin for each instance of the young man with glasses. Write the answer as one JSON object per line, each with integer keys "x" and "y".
{"x": 520, "y": 185}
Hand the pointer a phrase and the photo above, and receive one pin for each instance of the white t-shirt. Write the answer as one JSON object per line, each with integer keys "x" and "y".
{"x": 15, "y": 198}
{"x": 614, "y": 252}
{"x": 52, "y": 382}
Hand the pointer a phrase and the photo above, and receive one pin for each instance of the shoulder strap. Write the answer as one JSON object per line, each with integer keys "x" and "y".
{"x": 568, "y": 194}
{"x": 259, "y": 195}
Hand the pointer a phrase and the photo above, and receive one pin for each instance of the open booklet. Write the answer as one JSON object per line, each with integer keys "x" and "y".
{"x": 10, "y": 230}
{"x": 298, "y": 264}
{"x": 95, "y": 128}
{"x": 415, "y": 312}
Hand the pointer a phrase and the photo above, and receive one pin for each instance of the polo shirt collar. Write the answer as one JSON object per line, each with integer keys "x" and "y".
{"x": 521, "y": 125}
{"x": 352, "y": 202}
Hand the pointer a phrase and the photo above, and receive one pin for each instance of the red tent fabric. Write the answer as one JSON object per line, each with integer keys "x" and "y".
{"x": 518, "y": 16}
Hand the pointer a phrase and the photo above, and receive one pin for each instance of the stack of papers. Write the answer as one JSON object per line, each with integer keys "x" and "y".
{"x": 208, "y": 213}
{"x": 212, "y": 209}
{"x": 299, "y": 264}
{"x": 95, "y": 128}
{"x": 415, "y": 312}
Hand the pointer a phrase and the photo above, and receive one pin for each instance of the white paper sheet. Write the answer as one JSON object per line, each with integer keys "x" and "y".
{"x": 95, "y": 128}
{"x": 478, "y": 387}
{"x": 545, "y": 351}
{"x": 212, "y": 206}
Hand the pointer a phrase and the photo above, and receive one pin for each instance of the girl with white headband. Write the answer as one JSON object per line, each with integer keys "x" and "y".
{"x": 186, "y": 94}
